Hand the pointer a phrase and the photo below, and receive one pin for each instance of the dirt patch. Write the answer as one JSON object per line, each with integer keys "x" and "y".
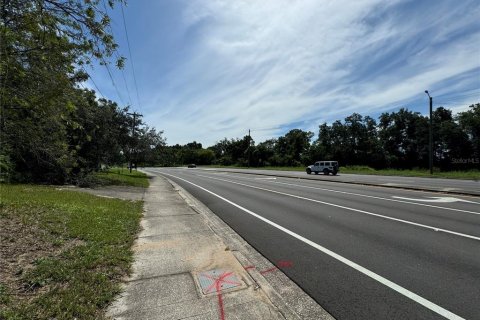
{"x": 22, "y": 242}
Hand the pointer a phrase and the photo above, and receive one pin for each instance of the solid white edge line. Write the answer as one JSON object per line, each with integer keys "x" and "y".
{"x": 352, "y": 209}
{"x": 405, "y": 292}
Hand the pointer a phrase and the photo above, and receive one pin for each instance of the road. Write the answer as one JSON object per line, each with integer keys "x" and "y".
{"x": 361, "y": 252}
{"x": 432, "y": 184}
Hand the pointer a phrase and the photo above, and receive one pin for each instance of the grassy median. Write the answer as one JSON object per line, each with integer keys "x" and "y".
{"x": 63, "y": 253}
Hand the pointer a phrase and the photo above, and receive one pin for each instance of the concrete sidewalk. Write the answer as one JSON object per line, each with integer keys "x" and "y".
{"x": 190, "y": 265}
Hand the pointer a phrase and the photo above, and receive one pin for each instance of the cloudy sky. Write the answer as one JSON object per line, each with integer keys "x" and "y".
{"x": 209, "y": 69}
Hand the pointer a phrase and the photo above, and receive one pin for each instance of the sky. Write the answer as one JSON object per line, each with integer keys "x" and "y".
{"x": 210, "y": 69}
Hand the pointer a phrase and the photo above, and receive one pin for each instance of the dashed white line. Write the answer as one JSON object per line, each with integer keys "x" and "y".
{"x": 351, "y": 209}
{"x": 392, "y": 285}
{"x": 379, "y": 198}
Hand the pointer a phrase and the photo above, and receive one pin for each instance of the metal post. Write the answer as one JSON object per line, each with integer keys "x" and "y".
{"x": 431, "y": 137}
{"x": 249, "y": 144}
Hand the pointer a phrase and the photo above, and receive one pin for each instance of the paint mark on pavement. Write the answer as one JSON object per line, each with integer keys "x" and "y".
{"x": 436, "y": 199}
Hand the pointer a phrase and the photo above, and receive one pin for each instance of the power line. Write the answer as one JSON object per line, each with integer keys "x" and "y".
{"x": 130, "y": 53}
{"x": 117, "y": 55}
{"x": 113, "y": 82}
{"x": 94, "y": 84}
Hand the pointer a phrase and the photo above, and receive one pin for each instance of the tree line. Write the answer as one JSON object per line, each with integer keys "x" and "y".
{"x": 398, "y": 139}
{"x": 52, "y": 129}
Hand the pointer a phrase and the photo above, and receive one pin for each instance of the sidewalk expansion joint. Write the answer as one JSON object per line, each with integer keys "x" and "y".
{"x": 158, "y": 277}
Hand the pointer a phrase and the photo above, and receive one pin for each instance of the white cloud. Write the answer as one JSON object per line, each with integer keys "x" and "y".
{"x": 266, "y": 64}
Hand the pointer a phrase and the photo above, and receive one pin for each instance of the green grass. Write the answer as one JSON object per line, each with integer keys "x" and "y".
{"x": 466, "y": 175}
{"x": 121, "y": 176}
{"x": 75, "y": 249}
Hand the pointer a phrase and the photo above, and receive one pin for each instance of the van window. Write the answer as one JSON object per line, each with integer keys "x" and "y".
{"x": 327, "y": 164}
{"x": 321, "y": 164}
{"x": 316, "y": 164}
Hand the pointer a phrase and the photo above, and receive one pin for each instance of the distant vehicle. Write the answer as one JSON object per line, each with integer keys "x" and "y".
{"x": 192, "y": 165}
{"x": 326, "y": 167}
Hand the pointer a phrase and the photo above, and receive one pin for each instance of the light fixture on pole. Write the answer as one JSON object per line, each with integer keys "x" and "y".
{"x": 430, "y": 136}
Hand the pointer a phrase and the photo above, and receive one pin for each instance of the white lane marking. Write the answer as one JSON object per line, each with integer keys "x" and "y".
{"x": 392, "y": 285}
{"x": 351, "y": 209}
{"x": 380, "y": 198}
{"x": 265, "y": 178}
{"x": 436, "y": 199}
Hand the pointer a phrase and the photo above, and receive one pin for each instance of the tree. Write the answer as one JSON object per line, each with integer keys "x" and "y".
{"x": 264, "y": 153}
{"x": 221, "y": 150}
{"x": 469, "y": 122}
{"x": 297, "y": 144}
{"x": 150, "y": 144}
{"x": 404, "y": 138}
{"x": 45, "y": 44}
{"x": 450, "y": 141}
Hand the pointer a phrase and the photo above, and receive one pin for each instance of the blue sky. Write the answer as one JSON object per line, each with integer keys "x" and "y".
{"x": 209, "y": 69}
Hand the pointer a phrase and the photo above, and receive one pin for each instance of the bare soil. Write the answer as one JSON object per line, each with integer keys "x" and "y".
{"x": 22, "y": 242}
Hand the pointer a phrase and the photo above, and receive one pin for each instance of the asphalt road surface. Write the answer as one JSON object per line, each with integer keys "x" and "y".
{"x": 433, "y": 184}
{"x": 361, "y": 252}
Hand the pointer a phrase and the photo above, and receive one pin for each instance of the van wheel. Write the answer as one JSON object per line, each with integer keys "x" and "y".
{"x": 326, "y": 172}
{"x": 334, "y": 173}
{"x": 316, "y": 172}
{"x": 309, "y": 171}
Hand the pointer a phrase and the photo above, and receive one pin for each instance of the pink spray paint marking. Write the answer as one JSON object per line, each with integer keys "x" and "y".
{"x": 216, "y": 287}
{"x": 280, "y": 264}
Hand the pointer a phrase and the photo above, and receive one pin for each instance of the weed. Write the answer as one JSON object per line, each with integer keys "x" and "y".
{"x": 75, "y": 248}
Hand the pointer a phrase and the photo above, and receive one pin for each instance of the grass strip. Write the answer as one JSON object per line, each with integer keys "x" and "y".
{"x": 64, "y": 253}
{"x": 466, "y": 175}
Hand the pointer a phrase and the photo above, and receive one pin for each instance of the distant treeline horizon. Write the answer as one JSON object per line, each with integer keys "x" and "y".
{"x": 398, "y": 139}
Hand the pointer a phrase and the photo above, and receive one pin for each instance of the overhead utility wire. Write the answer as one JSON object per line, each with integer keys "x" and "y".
{"x": 117, "y": 55}
{"x": 96, "y": 87}
{"x": 113, "y": 81}
{"x": 130, "y": 54}
{"x": 111, "y": 78}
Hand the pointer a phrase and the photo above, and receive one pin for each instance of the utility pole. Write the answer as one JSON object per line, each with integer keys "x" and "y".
{"x": 430, "y": 135}
{"x": 249, "y": 144}
{"x": 135, "y": 115}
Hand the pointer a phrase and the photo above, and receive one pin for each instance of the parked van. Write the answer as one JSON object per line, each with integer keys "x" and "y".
{"x": 326, "y": 167}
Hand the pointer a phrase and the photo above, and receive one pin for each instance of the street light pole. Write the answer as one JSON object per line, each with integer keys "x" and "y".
{"x": 430, "y": 135}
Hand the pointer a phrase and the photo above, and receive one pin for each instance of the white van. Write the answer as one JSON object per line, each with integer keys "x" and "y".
{"x": 325, "y": 166}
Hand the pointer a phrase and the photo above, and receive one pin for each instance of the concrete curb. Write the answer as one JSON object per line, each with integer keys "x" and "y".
{"x": 181, "y": 257}
{"x": 453, "y": 192}
{"x": 290, "y": 300}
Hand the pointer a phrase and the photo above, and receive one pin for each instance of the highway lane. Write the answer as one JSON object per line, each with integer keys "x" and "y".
{"x": 434, "y": 184}
{"x": 394, "y": 239}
